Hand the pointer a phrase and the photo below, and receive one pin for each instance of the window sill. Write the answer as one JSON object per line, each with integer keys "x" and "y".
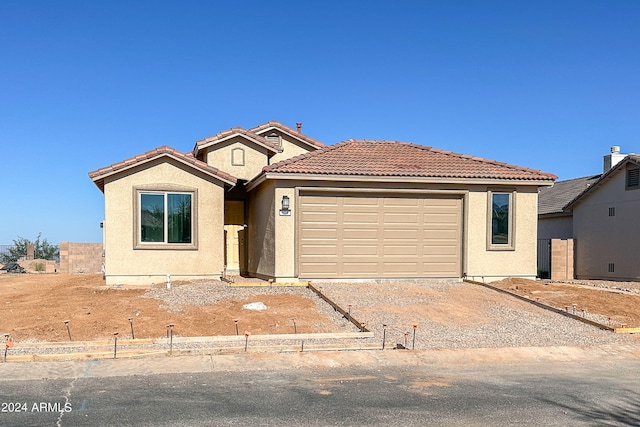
{"x": 501, "y": 248}
{"x": 166, "y": 246}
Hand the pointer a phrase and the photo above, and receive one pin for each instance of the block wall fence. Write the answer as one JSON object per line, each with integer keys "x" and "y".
{"x": 81, "y": 257}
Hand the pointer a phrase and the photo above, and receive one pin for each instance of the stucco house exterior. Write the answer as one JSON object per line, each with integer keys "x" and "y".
{"x": 272, "y": 203}
{"x": 606, "y": 228}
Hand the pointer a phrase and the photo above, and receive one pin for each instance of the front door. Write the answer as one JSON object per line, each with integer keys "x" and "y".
{"x": 233, "y": 231}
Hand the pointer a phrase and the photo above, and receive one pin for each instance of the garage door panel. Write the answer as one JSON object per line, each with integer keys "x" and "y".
{"x": 319, "y": 233}
{"x": 439, "y": 234}
{"x": 439, "y": 250}
{"x": 360, "y": 218}
{"x": 400, "y": 250}
{"x": 439, "y": 218}
{"x": 378, "y": 236}
{"x": 316, "y": 250}
{"x": 391, "y": 218}
{"x": 361, "y": 267}
{"x": 321, "y": 269}
{"x": 360, "y": 233}
{"x": 389, "y": 234}
{"x": 406, "y": 269}
{"x": 403, "y": 202}
{"x": 359, "y": 250}
{"x": 360, "y": 202}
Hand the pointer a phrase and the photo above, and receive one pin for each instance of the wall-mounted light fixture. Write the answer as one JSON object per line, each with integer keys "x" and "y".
{"x": 285, "y": 210}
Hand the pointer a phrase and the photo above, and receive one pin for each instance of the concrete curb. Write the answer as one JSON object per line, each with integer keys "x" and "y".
{"x": 128, "y": 348}
{"x": 555, "y": 310}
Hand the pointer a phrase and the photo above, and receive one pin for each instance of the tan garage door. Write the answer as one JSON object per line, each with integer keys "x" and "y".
{"x": 362, "y": 236}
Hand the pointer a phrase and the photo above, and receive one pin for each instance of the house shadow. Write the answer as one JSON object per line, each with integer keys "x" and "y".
{"x": 621, "y": 410}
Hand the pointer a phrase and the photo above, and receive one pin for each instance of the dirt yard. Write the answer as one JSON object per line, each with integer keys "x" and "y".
{"x": 622, "y": 307}
{"x": 35, "y": 306}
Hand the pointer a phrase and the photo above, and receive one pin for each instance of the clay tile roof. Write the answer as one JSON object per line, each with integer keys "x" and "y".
{"x": 187, "y": 158}
{"x": 222, "y": 136}
{"x": 401, "y": 159}
{"x": 552, "y": 200}
{"x": 287, "y": 129}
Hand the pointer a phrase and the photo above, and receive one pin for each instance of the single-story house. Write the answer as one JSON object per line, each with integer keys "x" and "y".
{"x": 273, "y": 203}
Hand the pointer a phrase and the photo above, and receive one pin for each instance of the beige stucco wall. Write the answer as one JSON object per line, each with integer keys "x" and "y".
{"x": 126, "y": 265}
{"x": 220, "y": 157}
{"x": 601, "y": 239}
{"x": 285, "y": 226}
{"x": 478, "y": 262}
{"x": 490, "y": 265}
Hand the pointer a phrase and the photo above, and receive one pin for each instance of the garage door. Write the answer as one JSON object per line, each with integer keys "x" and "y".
{"x": 362, "y": 236}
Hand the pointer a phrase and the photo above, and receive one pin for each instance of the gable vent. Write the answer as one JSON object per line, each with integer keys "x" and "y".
{"x": 633, "y": 178}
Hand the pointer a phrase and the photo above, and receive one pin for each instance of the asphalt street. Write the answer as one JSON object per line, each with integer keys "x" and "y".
{"x": 575, "y": 393}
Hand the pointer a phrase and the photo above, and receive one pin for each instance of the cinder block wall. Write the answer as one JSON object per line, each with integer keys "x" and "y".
{"x": 562, "y": 259}
{"x": 80, "y": 257}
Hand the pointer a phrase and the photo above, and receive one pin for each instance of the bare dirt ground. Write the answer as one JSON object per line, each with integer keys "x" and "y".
{"x": 35, "y": 306}
{"x": 606, "y": 299}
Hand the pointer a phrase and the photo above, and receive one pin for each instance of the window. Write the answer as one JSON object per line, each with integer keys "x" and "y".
{"x": 612, "y": 211}
{"x": 501, "y": 220}
{"x": 165, "y": 217}
{"x": 633, "y": 178}
{"x": 612, "y": 268}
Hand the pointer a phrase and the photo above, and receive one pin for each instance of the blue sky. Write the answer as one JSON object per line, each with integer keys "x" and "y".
{"x": 84, "y": 84}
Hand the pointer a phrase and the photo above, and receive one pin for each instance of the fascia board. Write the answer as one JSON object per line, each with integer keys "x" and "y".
{"x": 136, "y": 164}
{"x": 228, "y": 137}
{"x": 391, "y": 179}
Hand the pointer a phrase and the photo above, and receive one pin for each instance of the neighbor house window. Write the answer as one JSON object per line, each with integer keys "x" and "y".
{"x": 165, "y": 217}
{"x": 633, "y": 178}
{"x": 501, "y": 214}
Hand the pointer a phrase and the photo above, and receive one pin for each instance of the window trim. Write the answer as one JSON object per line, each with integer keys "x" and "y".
{"x": 164, "y": 189}
{"x": 511, "y": 245}
{"x": 240, "y": 161}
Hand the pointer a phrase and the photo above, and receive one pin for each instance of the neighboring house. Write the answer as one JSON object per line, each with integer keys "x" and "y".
{"x": 600, "y": 213}
{"x": 272, "y": 203}
{"x": 606, "y": 228}
{"x": 554, "y": 222}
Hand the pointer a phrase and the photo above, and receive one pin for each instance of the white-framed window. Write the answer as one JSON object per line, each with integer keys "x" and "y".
{"x": 165, "y": 218}
{"x": 501, "y": 218}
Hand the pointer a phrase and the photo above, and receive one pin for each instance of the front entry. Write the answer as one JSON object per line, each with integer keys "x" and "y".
{"x": 234, "y": 236}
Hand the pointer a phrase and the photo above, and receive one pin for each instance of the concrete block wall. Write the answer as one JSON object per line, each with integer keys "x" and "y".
{"x": 81, "y": 257}
{"x": 562, "y": 259}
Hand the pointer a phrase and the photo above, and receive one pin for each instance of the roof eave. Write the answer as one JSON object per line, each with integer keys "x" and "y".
{"x": 392, "y": 179}
{"x": 604, "y": 177}
{"x": 199, "y": 147}
{"x": 315, "y": 145}
{"x": 98, "y": 179}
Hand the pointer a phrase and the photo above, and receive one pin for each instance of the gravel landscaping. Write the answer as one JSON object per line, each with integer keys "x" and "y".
{"x": 486, "y": 319}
